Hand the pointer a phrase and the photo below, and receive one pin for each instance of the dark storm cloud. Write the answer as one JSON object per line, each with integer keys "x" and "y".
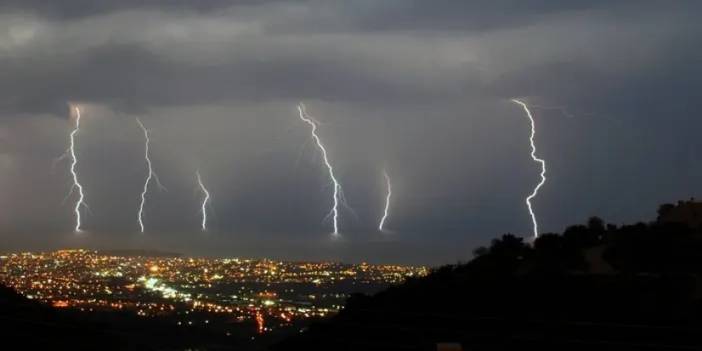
{"x": 419, "y": 86}
{"x": 82, "y": 8}
{"x": 349, "y": 51}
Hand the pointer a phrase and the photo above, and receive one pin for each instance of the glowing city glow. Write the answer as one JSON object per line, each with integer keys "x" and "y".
{"x": 155, "y": 285}
{"x": 536, "y": 159}
{"x": 74, "y": 172}
{"x": 260, "y": 323}
{"x": 337, "y": 188}
{"x": 149, "y": 176}
{"x": 183, "y": 289}
{"x": 388, "y": 195}
{"x": 205, "y": 201}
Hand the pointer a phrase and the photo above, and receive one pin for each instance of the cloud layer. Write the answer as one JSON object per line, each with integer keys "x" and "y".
{"x": 419, "y": 87}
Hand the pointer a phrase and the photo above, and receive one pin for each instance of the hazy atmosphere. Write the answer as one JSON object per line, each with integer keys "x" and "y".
{"x": 421, "y": 89}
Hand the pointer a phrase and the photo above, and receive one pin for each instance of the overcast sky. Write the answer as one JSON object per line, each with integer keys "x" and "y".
{"x": 420, "y": 88}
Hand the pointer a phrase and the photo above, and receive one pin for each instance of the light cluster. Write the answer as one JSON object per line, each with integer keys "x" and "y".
{"x": 245, "y": 289}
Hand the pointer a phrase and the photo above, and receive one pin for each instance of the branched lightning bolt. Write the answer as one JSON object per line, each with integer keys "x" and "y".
{"x": 205, "y": 200}
{"x": 388, "y": 195}
{"x": 150, "y": 175}
{"x": 536, "y": 159}
{"x": 74, "y": 173}
{"x": 337, "y": 188}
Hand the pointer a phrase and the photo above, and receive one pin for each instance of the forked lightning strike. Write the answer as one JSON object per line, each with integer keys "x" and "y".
{"x": 337, "y": 188}
{"x": 205, "y": 201}
{"x": 150, "y": 175}
{"x": 388, "y": 195}
{"x": 536, "y": 159}
{"x": 74, "y": 173}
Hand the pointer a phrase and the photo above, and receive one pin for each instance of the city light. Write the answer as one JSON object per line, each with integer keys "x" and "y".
{"x": 245, "y": 289}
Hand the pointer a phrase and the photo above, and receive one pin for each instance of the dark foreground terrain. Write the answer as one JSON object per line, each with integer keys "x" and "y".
{"x": 594, "y": 287}
{"x": 29, "y": 325}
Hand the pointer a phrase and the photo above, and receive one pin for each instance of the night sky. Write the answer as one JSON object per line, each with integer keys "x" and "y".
{"x": 420, "y": 88}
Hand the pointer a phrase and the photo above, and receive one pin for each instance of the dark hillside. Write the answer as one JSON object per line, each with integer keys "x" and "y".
{"x": 594, "y": 286}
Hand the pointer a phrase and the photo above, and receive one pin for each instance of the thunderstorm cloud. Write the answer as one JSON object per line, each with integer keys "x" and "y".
{"x": 420, "y": 88}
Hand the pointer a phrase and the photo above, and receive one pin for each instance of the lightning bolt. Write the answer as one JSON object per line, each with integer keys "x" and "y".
{"x": 205, "y": 200}
{"x": 74, "y": 173}
{"x": 536, "y": 159}
{"x": 388, "y": 195}
{"x": 337, "y": 188}
{"x": 150, "y": 175}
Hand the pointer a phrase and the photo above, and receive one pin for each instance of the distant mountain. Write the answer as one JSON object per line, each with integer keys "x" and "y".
{"x": 139, "y": 253}
{"x": 593, "y": 287}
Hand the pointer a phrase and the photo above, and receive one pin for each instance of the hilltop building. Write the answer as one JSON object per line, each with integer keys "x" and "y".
{"x": 687, "y": 212}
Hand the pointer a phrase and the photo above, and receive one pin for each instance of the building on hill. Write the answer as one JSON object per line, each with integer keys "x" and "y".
{"x": 686, "y": 212}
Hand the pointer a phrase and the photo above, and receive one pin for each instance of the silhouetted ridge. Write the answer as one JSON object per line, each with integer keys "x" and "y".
{"x": 30, "y": 325}
{"x": 595, "y": 286}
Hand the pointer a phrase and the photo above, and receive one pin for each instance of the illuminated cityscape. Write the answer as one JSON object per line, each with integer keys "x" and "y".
{"x": 189, "y": 291}
{"x": 333, "y": 175}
